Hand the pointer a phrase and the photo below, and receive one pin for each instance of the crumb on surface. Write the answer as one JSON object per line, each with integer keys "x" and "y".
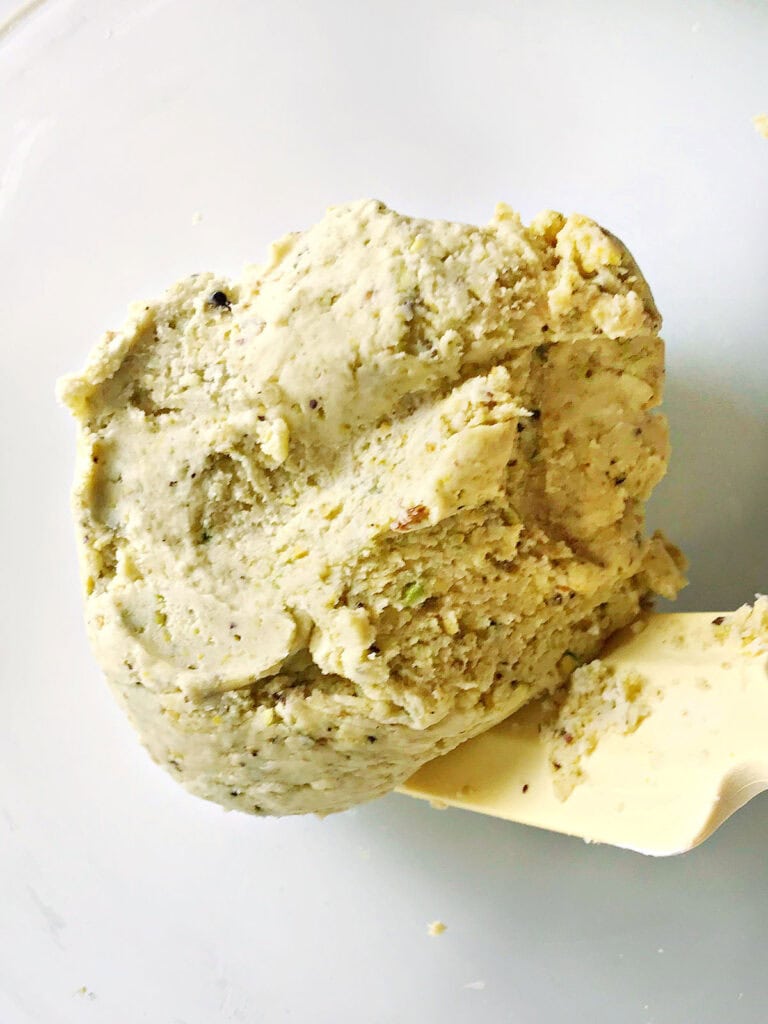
{"x": 760, "y": 121}
{"x": 436, "y": 928}
{"x": 599, "y": 699}
{"x": 747, "y": 626}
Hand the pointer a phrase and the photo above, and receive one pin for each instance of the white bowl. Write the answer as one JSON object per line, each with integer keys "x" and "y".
{"x": 144, "y": 139}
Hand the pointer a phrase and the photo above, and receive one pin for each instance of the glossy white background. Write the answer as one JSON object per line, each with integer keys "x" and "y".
{"x": 119, "y": 122}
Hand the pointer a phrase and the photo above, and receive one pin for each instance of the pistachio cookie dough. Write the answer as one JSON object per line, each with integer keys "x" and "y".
{"x": 342, "y": 513}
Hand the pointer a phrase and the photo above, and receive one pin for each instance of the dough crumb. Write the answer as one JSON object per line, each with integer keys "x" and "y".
{"x": 436, "y": 928}
{"x": 747, "y": 627}
{"x": 760, "y": 121}
{"x": 599, "y": 699}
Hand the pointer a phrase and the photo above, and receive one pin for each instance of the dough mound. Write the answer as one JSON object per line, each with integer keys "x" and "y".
{"x": 341, "y": 514}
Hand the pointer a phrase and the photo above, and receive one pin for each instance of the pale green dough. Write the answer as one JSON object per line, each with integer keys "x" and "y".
{"x": 344, "y": 512}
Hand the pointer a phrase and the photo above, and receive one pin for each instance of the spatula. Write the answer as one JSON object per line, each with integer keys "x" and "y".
{"x": 662, "y": 785}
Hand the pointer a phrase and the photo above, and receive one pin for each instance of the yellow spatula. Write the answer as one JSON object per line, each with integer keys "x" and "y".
{"x": 696, "y": 753}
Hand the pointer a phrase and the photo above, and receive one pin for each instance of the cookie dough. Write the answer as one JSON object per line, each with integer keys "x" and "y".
{"x": 350, "y": 509}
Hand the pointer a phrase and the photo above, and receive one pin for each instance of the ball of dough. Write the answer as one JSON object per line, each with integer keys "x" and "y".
{"x": 346, "y": 511}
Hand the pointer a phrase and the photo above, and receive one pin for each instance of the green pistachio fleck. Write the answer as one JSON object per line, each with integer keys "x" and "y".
{"x": 413, "y": 593}
{"x": 576, "y": 658}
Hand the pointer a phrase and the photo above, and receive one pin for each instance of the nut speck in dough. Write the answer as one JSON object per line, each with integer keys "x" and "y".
{"x": 363, "y": 502}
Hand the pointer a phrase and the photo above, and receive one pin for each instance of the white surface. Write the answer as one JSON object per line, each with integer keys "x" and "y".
{"x": 118, "y": 122}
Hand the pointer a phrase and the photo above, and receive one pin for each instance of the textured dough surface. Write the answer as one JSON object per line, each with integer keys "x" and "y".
{"x": 349, "y": 510}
